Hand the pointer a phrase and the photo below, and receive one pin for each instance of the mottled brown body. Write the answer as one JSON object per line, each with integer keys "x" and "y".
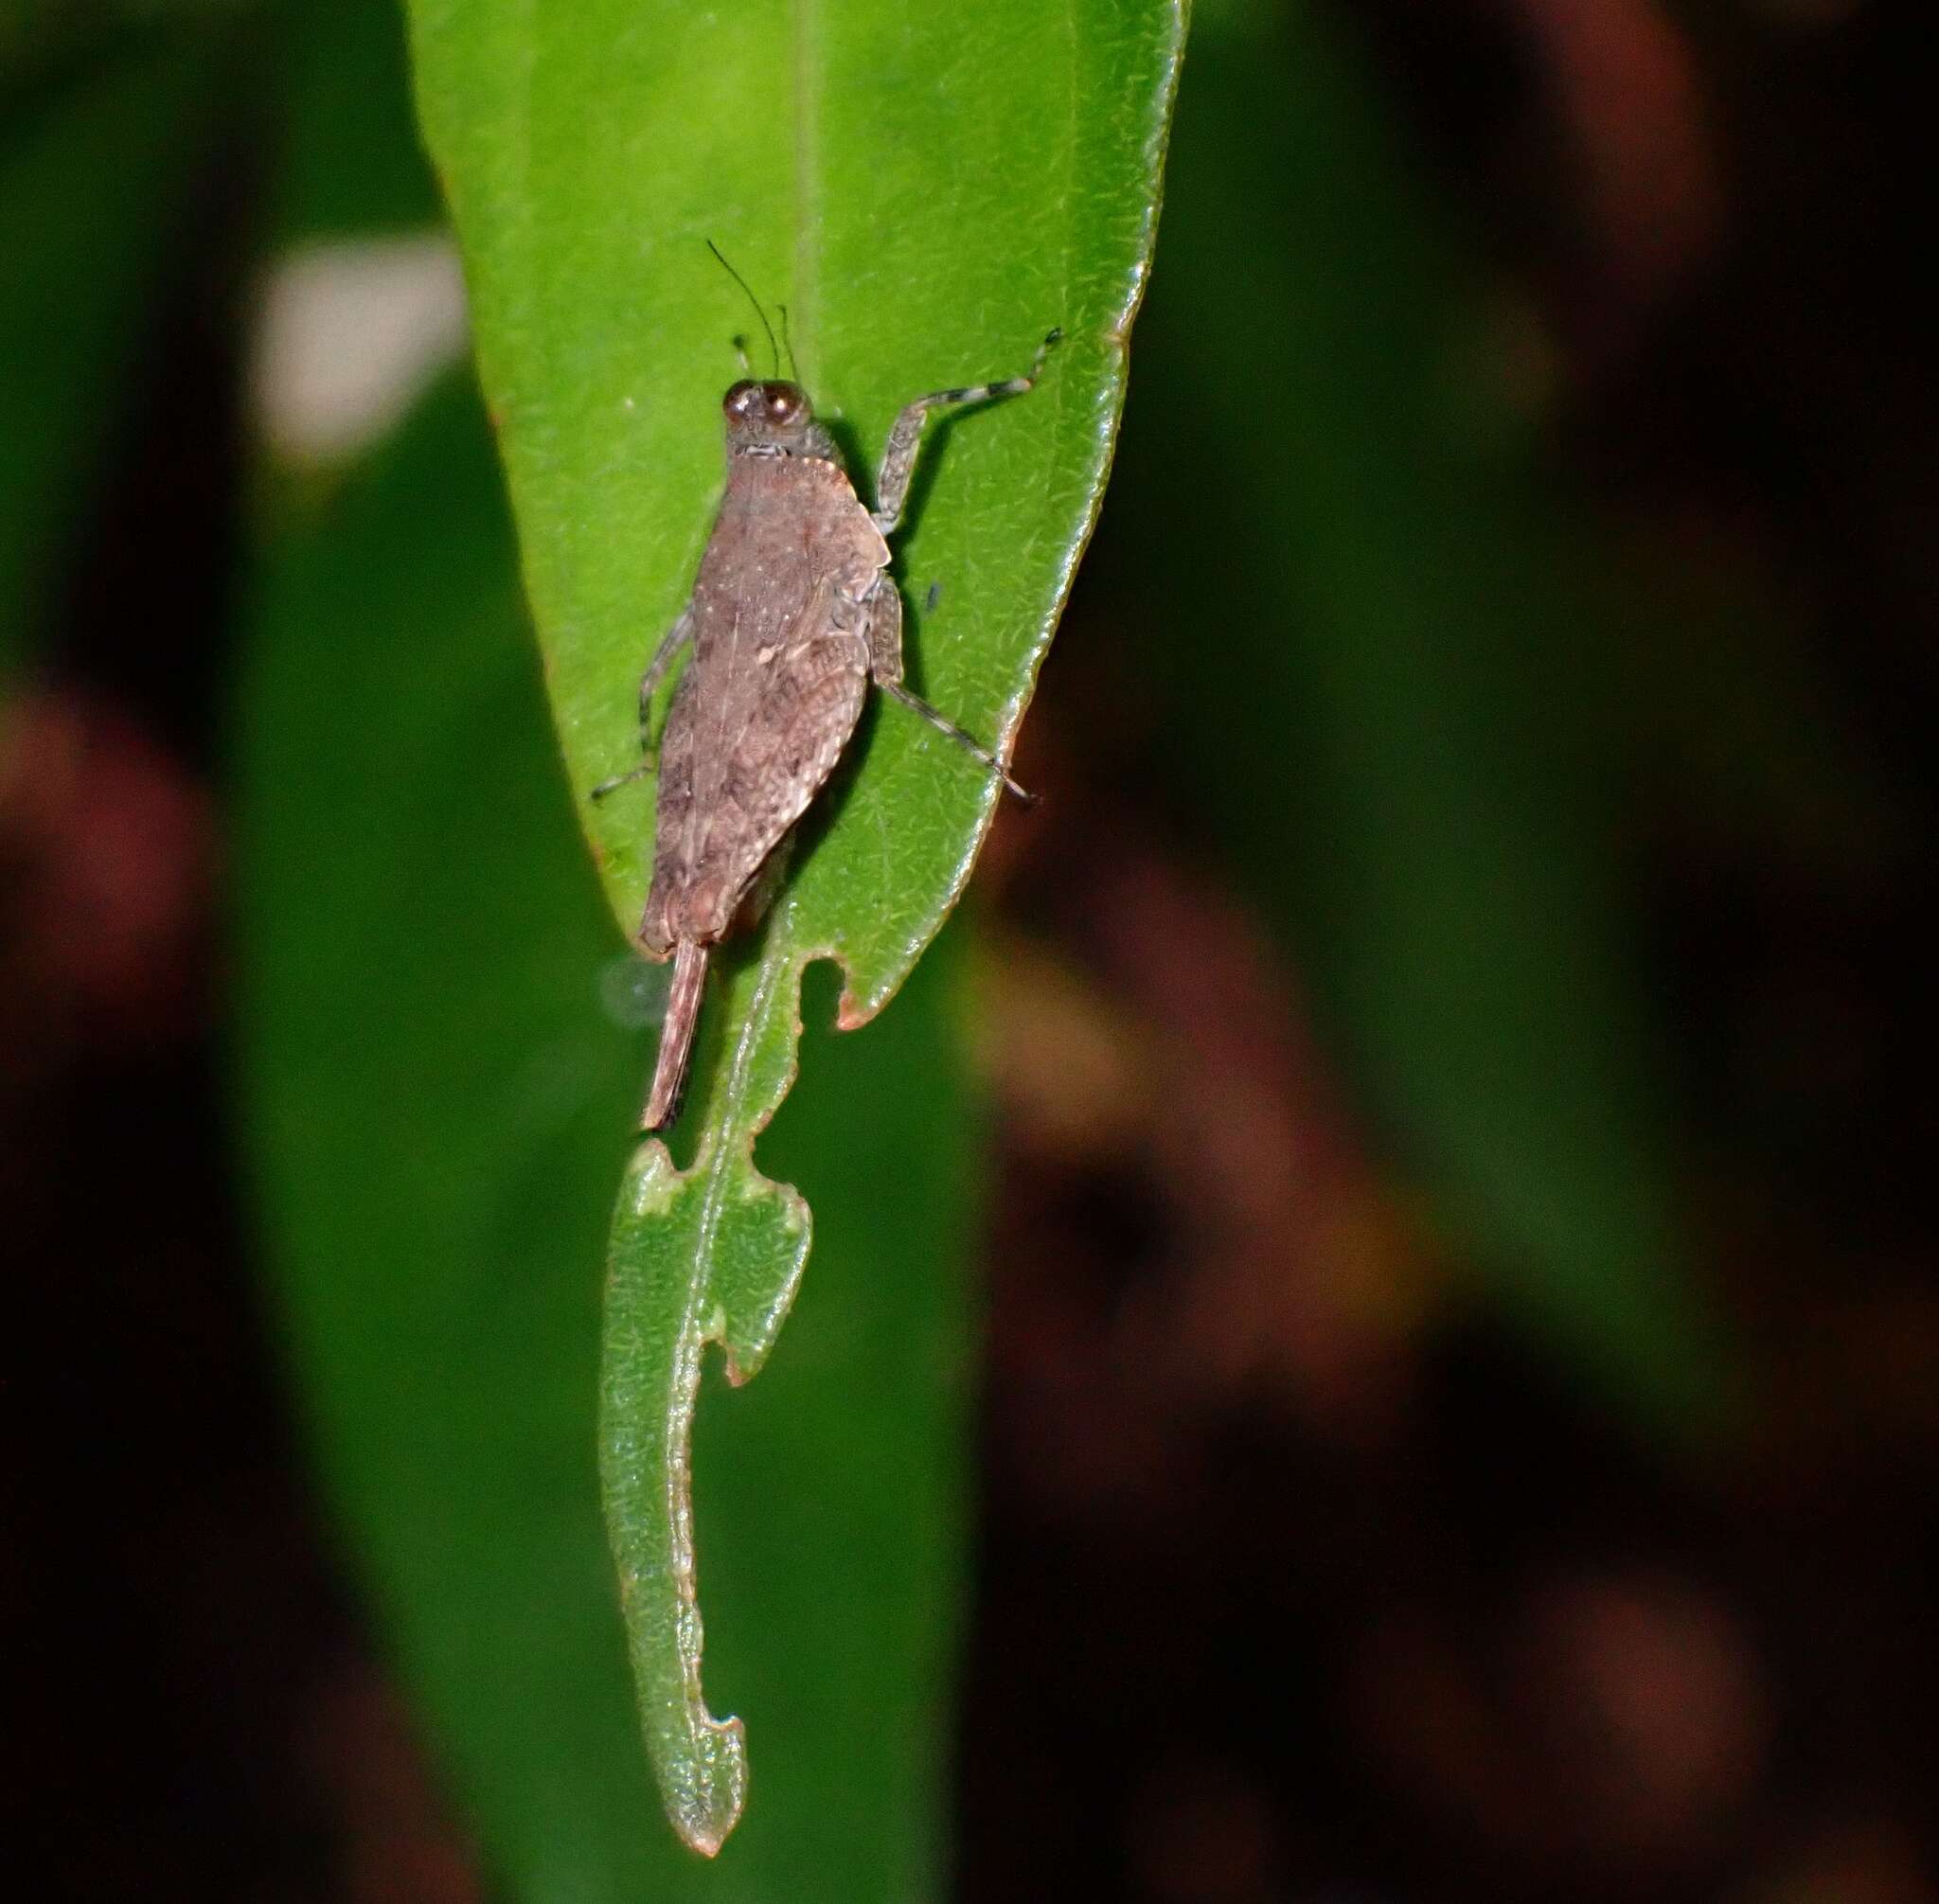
{"x": 792, "y": 614}
{"x": 781, "y": 610}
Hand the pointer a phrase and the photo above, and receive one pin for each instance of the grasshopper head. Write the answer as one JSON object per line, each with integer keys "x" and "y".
{"x": 767, "y": 419}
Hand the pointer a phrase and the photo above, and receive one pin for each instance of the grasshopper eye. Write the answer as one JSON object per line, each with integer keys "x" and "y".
{"x": 740, "y": 400}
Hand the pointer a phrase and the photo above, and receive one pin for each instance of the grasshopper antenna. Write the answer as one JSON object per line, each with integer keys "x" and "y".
{"x": 773, "y": 346}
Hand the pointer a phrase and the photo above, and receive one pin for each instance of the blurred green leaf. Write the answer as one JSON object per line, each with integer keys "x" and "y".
{"x": 442, "y": 1110}
{"x": 927, "y": 192}
{"x": 1386, "y": 703}
{"x": 93, "y": 173}
{"x": 439, "y": 1114}
{"x": 354, "y": 79}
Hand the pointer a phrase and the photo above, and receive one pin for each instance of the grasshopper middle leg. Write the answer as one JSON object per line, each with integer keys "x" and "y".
{"x": 665, "y": 656}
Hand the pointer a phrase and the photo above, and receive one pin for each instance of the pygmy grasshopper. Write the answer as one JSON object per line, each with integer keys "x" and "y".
{"x": 792, "y": 614}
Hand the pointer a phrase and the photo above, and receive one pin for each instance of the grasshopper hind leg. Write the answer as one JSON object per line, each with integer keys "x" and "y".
{"x": 885, "y": 668}
{"x": 676, "y": 1036}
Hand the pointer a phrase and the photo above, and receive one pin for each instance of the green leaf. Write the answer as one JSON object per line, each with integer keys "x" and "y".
{"x": 927, "y": 191}
{"x": 927, "y": 195}
{"x": 93, "y": 176}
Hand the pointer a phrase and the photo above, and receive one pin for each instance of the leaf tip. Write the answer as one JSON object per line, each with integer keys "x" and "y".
{"x": 855, "y": 1008}
{"x": 706, "y": 1792}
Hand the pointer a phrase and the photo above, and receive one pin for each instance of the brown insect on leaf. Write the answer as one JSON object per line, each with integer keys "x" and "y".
{"x": 792, "y": 614}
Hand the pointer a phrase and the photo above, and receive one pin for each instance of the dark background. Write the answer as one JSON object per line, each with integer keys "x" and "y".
{"x": 1473, "y": 1614}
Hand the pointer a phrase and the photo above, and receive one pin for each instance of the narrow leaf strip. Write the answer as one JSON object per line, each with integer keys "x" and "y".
{"x": 713, "y": 1255}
